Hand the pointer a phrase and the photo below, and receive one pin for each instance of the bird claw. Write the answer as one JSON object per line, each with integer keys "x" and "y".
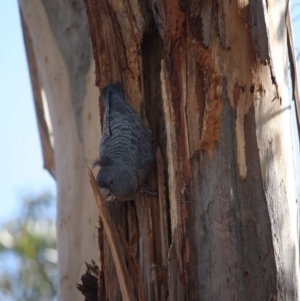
{"x": 95, "y": 163}
{"x": 147, "y": 189}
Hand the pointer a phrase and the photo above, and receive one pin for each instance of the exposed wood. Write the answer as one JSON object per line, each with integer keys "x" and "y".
{"x": 64, "y": 62}
{"x": 209, "y": 78}
{"x": 101, "y": 278}
{"x": 47, "y": 149}
{"x": 170, "y": 121}
{"x": 89, "y": 286}
{"x": 259, "y": 30}
{"x": 134, "y": 271}
{"x": 114, "y": 243}
{"x": 213, "y": 92}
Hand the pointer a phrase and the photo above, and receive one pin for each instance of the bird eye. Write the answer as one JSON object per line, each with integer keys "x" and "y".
{"x": 111, "y": 182}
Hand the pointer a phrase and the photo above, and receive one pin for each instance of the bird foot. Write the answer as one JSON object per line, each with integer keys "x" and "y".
{"x": 147, "y": 189}
{"x": 95, "y": 163}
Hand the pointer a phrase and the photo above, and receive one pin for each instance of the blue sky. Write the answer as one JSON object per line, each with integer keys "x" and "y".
{"x": 295, "y": 9}
{"x": 22, "y": 172}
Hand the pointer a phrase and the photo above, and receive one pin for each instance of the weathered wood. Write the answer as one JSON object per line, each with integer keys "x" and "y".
{"x": 134, "y": 271}
{"x": 224, "y": 223}
{"x": 113, "y": 238}
{"x": 63, "y": 56}
{"x": 89, "y": 283}
{"x": 43, "y": 127}
{"x": 101, "y": 278}
{"x": 220, "y": 228}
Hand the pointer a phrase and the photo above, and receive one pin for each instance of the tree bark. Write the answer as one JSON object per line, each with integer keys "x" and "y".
{"x": 202, "y": 75}
{"x": 59, "y": 37}
{"x": 210, "y": 79}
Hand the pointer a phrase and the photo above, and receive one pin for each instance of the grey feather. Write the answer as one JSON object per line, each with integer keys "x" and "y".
{"x": 126, "y": 150}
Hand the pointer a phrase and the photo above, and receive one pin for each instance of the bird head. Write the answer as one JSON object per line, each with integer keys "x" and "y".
{"x": 116, "y": 183}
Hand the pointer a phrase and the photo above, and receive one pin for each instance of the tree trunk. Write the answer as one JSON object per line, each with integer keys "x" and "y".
{"x": 56, "y": 33}
{"x": 202, "y": 75}
{"x": 210, "y": 79}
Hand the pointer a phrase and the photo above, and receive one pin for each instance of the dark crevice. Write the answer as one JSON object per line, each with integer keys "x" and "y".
{"x": 152, "y": 53}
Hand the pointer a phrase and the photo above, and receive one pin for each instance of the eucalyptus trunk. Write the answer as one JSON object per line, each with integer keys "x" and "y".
{"x": 210, "y": 79}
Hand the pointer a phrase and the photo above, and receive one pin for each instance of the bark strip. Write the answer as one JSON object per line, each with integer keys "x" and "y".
{"x": 124, "y": 277}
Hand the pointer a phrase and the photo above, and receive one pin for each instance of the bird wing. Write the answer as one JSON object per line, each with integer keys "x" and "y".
{"x": 125, "y": 139}
{"x": 110, "y": 94}
{"x": 129, "y": 141}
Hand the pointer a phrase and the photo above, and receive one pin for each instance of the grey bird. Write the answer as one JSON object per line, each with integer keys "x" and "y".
{"x": 126, "y": 150}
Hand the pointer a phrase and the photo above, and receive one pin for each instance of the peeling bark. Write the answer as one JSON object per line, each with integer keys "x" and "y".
{"x": 209, "y": 78}
{"x": 76, "y": 131}
{"x": 43, "y": 127}
{"x": 218, "y": 230}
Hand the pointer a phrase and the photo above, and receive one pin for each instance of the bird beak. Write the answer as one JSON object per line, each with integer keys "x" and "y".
{"x": 105, "y": 192}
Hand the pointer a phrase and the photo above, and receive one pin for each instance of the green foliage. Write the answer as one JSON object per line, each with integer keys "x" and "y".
{"x": 28, "y": 251}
